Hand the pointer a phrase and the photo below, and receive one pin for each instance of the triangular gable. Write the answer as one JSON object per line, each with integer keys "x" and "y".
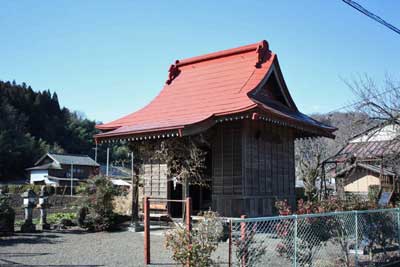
{"x": 44, "y": 157}
{"x": 273, "y": 89}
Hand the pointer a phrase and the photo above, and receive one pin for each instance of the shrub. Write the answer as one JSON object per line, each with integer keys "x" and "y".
{"x": 311, "y": 232}
{"x": 378, "y": 231}
{"x": 377, "y": 228}
{"x": 248, "y": 251}
{"x": 97, "y": 223}
{"x": 373, "y": 193}
{"x": 96, "y": 210}
{"x": 197, "y": 248}
{"x": 80, "y": 188}
{"x": 7, "y": 216}
{"x": 123, "y": 204}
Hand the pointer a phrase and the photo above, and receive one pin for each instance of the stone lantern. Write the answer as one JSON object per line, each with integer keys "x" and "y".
{"x": 29, "y": 198}
{"x": 43, "y": 205}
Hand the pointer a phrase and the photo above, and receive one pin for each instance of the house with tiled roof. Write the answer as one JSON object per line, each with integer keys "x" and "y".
{"x": 239, "y": 95}
{"x": 62, "y": 169}
{"x": 369, "y": 158}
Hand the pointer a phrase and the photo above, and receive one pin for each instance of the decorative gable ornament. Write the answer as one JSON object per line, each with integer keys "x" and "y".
{"x": 173, "y": 72}
{"x": 263, "y": 53}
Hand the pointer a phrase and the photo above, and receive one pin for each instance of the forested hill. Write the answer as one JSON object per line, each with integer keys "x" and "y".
{"x": 33, "y": 123}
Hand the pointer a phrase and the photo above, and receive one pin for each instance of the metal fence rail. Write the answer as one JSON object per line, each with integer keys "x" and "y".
{"x": 354, "y": 238}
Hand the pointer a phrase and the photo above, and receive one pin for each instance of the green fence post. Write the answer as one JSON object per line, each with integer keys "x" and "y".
{"x": 295, "y": 242}
{"x": 356, "y": 246}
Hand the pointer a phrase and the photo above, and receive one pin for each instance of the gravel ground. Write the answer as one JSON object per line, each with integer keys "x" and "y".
{"x": 75, "y": 248}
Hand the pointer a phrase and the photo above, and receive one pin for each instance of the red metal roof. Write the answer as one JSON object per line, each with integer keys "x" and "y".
{"x": 206, "y": 87}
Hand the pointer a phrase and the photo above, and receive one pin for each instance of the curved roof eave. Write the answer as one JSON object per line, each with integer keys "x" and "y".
{"x": 202, "y": 88}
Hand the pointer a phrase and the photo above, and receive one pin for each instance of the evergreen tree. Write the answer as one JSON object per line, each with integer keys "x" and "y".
{"x": 32, "y": 123}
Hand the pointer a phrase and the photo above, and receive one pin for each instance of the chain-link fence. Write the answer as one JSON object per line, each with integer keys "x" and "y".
{"x": 355, "y": 238}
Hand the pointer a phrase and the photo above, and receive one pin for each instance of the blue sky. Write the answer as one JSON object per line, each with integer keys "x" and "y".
{"x": 109, "y": 58}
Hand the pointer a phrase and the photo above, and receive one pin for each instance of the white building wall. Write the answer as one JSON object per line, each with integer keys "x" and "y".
{"x": 387, "y": 133}
{"x": 38, "y": 175}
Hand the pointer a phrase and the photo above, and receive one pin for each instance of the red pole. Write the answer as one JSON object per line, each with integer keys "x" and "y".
{"x": 189, "y": 214}
{"x": 243, "y": 240}
{"x": 146, "y": 230}
{"x": 230, "y": 245}
{"x": 189, "y": 221}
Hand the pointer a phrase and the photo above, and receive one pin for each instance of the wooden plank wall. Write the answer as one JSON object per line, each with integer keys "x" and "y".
{"x": 226, "y": 159}
{"x": 268, "y": 161}
{"x": 253, "y": 166}
{"x": 227, "y": 167}
{"x": 154, "y": 175}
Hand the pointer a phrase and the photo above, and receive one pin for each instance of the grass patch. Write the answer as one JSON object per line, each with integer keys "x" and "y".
{"x": 19, "y": 223}
{"x": 55, "y": 218}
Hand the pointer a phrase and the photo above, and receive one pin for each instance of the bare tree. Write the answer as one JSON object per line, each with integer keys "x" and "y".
{"x": 382, "y": 104}
{"x": 310, "y": 154}
{"x": 185, "y": 159}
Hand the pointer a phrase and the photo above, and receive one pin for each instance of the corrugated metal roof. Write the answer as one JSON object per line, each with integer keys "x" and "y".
{"x": 369, "y": 167}
{"x": 210, "y": 86}
{"x": 367, "y": 150}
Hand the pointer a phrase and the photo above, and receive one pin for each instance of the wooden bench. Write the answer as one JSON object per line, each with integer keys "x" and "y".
{"x": 159, "y": 207}
{"x": 158, "y": 211}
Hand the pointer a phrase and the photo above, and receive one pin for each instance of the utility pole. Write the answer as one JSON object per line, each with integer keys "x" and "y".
{"x": 72, "y": 178}
{"x": 95, "y": 153}
{"x": 108, "y": 160}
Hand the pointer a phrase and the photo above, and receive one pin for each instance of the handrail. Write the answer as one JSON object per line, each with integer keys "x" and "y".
{"x": 155, "y": 199}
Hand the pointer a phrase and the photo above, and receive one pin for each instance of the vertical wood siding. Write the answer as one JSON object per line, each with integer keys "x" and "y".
{"x": 155, "y": 179}
{"x": 253, "y": 166}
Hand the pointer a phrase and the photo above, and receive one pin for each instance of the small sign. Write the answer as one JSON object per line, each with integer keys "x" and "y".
{"x": 385, "y": 198}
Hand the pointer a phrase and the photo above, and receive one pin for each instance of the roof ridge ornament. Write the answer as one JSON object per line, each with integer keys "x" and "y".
{"x": 263, "y": 53}
{"x": 173, "y": 72}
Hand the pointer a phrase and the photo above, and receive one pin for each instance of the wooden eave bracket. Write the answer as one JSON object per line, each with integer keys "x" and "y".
{"x": 255, "y": 116}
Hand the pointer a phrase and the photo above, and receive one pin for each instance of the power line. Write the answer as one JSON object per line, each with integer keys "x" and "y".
{"x": 362, "y": 101}
{"x": 361, "y": 9}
